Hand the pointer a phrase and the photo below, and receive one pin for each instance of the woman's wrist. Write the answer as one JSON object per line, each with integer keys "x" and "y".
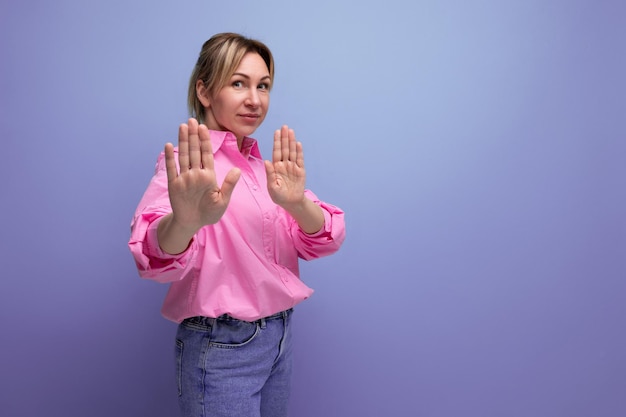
{"x": 173, "y": 237}
{"x": 308, "y": 215}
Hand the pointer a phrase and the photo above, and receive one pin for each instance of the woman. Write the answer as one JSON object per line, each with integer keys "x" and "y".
{"x": 230, "y": 252}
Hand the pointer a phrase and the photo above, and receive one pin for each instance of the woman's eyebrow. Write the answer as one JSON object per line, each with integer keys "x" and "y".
{"x": 248, "y": 77}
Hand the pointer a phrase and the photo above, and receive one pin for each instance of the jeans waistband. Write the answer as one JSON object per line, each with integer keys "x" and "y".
{"x": 209, "y": 321}
{"x": 279, "y": 315}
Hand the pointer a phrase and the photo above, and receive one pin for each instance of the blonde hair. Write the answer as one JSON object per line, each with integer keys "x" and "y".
{"x": 219, "y": 58}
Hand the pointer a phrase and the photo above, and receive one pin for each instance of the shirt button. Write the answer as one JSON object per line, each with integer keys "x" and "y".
{"x": 254, "y": 187}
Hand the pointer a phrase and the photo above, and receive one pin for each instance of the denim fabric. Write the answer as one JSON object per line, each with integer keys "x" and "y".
{"x": 228, "y": 367}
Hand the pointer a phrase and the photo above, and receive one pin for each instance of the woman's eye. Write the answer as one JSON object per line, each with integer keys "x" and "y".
{"x": 264, "y": 86}
{"x": 237, "y": 84}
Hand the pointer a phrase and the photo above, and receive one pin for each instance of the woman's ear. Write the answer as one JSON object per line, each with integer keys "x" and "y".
{"x": 203, "y": 94}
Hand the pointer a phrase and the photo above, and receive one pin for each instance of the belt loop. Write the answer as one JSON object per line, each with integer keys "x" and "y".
{"x": 262, "y": 323}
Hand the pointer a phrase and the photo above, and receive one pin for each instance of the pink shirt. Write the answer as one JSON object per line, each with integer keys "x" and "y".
{"x": 245, "y": 265}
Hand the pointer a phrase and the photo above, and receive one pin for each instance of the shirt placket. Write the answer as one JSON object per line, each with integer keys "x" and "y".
{"x": 268, "y": 220}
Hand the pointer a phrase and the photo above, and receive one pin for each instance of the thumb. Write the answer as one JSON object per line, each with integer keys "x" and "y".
{"x": 269, "y": 168}
{"x": 230, "y": 181}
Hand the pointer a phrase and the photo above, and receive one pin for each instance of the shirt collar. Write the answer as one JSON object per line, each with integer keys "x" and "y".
{"x": 250, "y": 146}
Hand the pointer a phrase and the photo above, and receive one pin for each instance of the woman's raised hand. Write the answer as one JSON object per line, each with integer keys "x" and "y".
{"x": 285, "y": 174}
{"x": 196, "y": 198}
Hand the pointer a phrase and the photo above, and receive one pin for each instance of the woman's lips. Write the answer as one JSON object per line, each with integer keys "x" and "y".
{"x": 250, "y": 117}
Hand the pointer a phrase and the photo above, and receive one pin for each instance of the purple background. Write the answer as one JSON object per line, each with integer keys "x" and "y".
{"x": 478, "y": 148}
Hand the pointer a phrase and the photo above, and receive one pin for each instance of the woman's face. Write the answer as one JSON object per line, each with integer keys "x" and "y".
{"x": 241, "y": 105}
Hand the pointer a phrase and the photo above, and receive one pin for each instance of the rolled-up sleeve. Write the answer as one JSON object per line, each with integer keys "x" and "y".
{"x": 326, "y": 241}
{"x": 152, "y": 262}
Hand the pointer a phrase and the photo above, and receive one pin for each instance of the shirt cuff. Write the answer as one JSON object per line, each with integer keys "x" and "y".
{"x": 153, "y": 249}
{"x": 326, "y": 229}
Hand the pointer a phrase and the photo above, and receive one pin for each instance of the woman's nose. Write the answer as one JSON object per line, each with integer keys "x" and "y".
{"x": 253, "y": 99}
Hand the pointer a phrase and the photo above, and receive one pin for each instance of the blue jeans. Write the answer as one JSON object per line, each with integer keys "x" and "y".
{"x": 229, "y": 367}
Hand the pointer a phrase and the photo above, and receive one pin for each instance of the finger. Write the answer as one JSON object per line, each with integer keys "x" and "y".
{"x": 194, "y": 144}
{"x": 284, "y": 143}
{"x": 292, "y": 146}
{"x": 170, "y": 162}
{"x": 269, "y": 170}
{"x": 229, "y": 182}
{"x": 276, "y": 154}
{"x": 183, "y": 147}
{"x": 300, "y": 155}
{"x": 206, "y": 149}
